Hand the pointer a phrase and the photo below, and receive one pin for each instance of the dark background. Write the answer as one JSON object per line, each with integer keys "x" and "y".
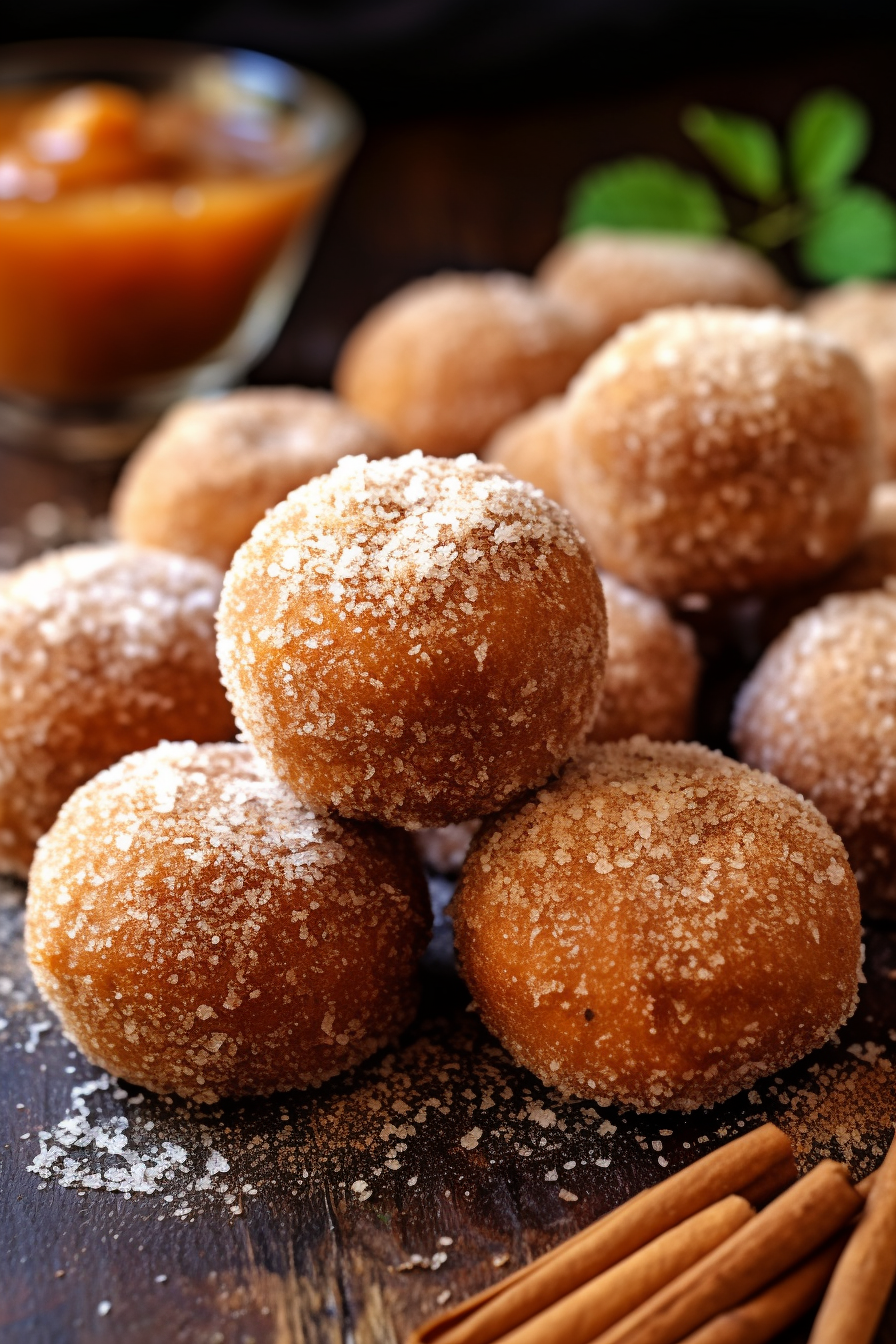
{"x": 399, "y": 58}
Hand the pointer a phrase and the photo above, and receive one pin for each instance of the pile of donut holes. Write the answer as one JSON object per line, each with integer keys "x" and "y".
{"x": 477, "y": 584}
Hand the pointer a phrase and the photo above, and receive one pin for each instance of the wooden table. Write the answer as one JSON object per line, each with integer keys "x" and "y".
{"x": 293, "y": 1257}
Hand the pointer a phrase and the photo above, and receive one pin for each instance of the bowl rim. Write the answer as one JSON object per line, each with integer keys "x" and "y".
{"x": 310, "y": 94}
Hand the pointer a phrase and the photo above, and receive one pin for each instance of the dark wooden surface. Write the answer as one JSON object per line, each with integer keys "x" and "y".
{"x": 298, "y": 1257}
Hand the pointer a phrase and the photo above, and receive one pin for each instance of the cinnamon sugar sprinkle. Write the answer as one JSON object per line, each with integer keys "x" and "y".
{"x": 845, "y": 1112}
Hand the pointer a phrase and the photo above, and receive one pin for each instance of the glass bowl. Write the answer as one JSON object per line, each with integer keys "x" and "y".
{"x": 119, "y": 296}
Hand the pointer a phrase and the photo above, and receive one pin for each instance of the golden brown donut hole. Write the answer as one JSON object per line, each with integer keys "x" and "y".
{"x": 445, "y": 361}
{"x": 819, "y": 712}
{"x": 712, "y": 451}
{"x": 103, "y": 650}
{"x": 659, "y": 927}
{"x": 528, "y": 446}
{"x": 616, "y": 278}
{"x": 198, "y": 931}
{"x": 413, "y": 641}
{"x": 862, "y": 314}
{"x": 202, "y": 479}
{"x": 871, "y": 565}
{"x": 653, "y": 669}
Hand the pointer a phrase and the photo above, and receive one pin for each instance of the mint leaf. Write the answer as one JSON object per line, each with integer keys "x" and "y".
{"x": 744, "y": 149}
{"x": 828, "y": 138}
{"x": 647, "y": 194}
{"x": 854, "y": 236}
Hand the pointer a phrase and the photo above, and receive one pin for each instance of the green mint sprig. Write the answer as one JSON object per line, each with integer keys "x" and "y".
{"x": 800, "y": 191}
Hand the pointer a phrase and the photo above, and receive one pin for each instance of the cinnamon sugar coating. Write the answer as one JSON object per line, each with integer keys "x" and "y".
{"x": 445, "y": 361}
{"x": 862, "y": 314}
{"x": 873, "y": 561}
{"x": 715, "y": 450}
{"x": 103, "y": 650}
{"x": 871, "y": 565}
{"x": 198, "y": 931}
{"x": 659, "y": 927}
{"x": 616, "y": 278}
{"x": 528, "y": 446}
{"x": 653, "y": 669}
{"x": 820, "y": 713}
{"x": 413, "y": 641}
{"x": 202, "y": 479}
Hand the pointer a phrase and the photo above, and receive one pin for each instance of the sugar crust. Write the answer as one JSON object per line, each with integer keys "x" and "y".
{"x": 819, "y": 712}
{"x": 199, "y": 931}
{"x": 103, "y": 650}
{"x": 414, "y": 641}
{"x": 617, "y": 278}
{"x": 659, "y": 927}
{"x": 653, "y": 669}
{"x": 716, "y": 450}
{"x": 528, "y": 446}
{"x": 445, "y": 361}
{"x": 214, "y": 466}
{"x": 862, "y": 314}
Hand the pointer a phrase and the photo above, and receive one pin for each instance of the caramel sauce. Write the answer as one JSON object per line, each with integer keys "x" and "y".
{"x": 134, "y": 232}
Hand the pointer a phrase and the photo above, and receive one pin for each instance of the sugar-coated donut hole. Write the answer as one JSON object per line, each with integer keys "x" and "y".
{"x": 199, "y": 931}
{"x": 711, "y": 451}
{"x": 819, "y": 712}
{"x": 659, "y": 927}
{"x": 653, "y": 669}
{"x": 871, "y": 565}
{"x": 616, "y": 278}
{"x": 414, "y": 641}
{"x": 527, "y": 446}
{"x": 862, "y": 314}
{"x": 103, "y": 650}
{"x": 445, "y": 361}
{"x": 214, "y": 466}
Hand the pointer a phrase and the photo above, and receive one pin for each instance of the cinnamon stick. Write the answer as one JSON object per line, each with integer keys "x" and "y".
{"x": 784, "y": 1233}
{"x": 613, "y": 1294}
{"x": 865, "y": 1186}
{"x": 858, "y": 1291}
{"x": 771, "y": 1183}
{"x": 496, "y": 1310}
{"x": 764, "y": 1316}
